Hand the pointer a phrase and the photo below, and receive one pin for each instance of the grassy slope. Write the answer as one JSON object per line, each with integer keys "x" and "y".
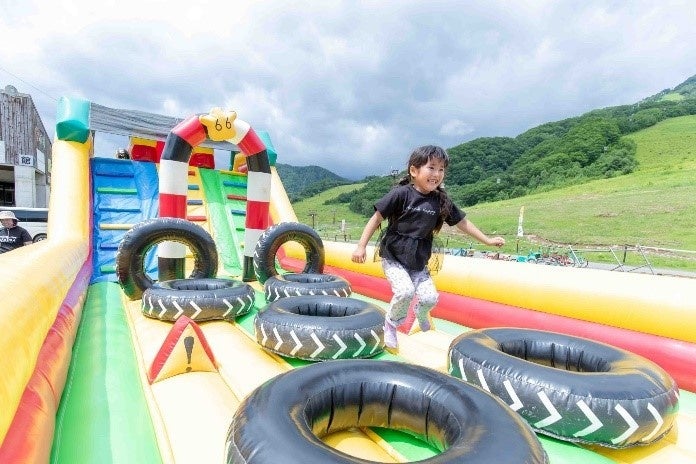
{"x": 654, "y": 206}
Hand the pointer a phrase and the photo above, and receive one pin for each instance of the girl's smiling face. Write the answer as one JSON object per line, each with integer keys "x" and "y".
{"x": 429, "y": 176}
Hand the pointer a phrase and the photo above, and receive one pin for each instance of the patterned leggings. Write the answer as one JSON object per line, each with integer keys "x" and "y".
{"x": 405, "y": 285}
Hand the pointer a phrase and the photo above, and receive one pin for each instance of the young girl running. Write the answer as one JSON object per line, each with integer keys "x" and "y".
{"x": 416, "y": 210}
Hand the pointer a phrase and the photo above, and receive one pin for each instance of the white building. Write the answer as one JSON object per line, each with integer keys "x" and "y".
{"x": 25, "y": 152}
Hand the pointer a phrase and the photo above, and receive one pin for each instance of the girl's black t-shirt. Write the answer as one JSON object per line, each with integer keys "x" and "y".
{"x": 412, "y": 217}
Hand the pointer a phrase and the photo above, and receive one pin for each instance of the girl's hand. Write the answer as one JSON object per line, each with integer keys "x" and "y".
{"x": 359, "y": 255}
{"x": 497, "y": 241}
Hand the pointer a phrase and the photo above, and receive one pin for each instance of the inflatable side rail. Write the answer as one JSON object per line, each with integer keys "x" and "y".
{"x": 217, "y": 125}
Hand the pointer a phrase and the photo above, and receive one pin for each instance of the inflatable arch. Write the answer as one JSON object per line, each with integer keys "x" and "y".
{"x": 217, "y": 125}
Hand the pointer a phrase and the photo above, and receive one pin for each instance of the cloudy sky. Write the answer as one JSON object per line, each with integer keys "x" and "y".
{"x": 352, "y": 86}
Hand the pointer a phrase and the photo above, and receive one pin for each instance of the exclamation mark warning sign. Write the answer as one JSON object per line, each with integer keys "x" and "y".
{"x": 184, "y": 350}
{"x": 188, "y": 344}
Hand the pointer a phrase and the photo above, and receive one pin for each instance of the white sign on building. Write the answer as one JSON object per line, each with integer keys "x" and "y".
{"x": 26, "y": 160}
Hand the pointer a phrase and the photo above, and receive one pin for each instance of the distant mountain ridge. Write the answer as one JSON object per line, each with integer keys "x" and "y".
{"x": 552, "y": 155}
{"x": 686, "y": 89}
{"x": 306, "y": 181}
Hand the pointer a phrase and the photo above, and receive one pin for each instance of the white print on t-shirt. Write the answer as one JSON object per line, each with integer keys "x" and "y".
{"x": 419, "y": 209}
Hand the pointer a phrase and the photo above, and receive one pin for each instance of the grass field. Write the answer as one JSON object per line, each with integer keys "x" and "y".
{"x": 653, "y": 207}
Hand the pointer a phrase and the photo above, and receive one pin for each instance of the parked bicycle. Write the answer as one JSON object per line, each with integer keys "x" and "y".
{"x": 555, "y": 258}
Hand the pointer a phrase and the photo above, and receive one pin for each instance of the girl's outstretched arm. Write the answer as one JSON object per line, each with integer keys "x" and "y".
{"x": 370, "y": 228}
{"x": 468, "y": 227}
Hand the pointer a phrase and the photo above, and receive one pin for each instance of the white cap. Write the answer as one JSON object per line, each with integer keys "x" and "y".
{"x": 8, "y": 215}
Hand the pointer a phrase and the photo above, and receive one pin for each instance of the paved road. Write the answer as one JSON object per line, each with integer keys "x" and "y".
{"x": 631, "y": 269}
{"x": 644, "y": 270}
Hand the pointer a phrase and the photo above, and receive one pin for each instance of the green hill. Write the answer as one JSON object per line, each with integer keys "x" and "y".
{"x": 304, "y": 181}
{"x": 653, "y": 206}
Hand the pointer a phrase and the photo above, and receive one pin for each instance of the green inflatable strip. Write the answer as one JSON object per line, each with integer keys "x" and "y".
{"x": 216, "y": 209}
{"x": 103, "y": 415}
{"x": 687, "y": 403}
{"x": 564, "y": 452}
{"x": 107, "y": 269}
{"x": 237, "y": 223}
{"x": 117, "y": 190}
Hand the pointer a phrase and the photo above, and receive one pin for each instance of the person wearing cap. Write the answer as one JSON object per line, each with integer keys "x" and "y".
{"x": 11, "y": 235}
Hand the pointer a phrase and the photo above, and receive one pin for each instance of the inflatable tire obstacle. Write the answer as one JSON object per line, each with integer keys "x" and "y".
{"x": 288, "y": 415}
{"x": 570, "y": 388}
{"x": 320, "y": 327}
{"x": 282, "y": 286}
{"x": 198, "y": 299}
{"x": 275, "y": 236}
{"x": 143, "y": 236}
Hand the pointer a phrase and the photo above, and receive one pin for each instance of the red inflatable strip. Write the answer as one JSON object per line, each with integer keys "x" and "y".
{"x": 191, "y": 130}
{"x": 257, "y": 215}
{"x": 172, "y": 205}
{"x": 251, "y": 144}
{"x": 236, "y": 197}
{"x": 674, "y": 356}
{"x": 30, "y": 436}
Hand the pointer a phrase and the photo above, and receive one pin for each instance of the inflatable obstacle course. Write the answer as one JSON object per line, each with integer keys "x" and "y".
{"x": 212, "y": 398}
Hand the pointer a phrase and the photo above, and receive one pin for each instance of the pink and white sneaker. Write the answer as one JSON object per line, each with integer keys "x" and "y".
{"x": 390, "y": 340}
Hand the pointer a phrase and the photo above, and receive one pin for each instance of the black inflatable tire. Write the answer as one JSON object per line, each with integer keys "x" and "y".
{"x": 275, "y": 236}
{"x": 284, "y": 419}
{"x": 143, "y": 236}
{"x": 198, "y": 299}
{"x": 586, "y": 391}
{"x": 321, "y": 327}
{"x": 298, "y": 284}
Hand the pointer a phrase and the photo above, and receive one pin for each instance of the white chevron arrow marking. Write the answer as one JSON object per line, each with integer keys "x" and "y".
{"x": 164, "y": 310}
{"x": 298, "y": 343}
{"x": 198, "y": 310}
{"x": 595, "y": 423}
{"x": 658, "y": 419}
{"x": 632, "y": 425}
{"x": 229, "y": 307}
{"x": 461, "y": 369}
{"x": 484, "y": 385}
{"x": 280, "y": 340}
{"x": 516, "y": 403}
{"x": 149, "y": 299}
{"x": 362, "y": 344}
{"x": 341, "y": 344}
{"x": 554, "y": 416}
{"x": 179, "y": 309}
{"x": 320, "y": 345}
{"x": 264, "y": 337}
{"x": 376, "y": 337}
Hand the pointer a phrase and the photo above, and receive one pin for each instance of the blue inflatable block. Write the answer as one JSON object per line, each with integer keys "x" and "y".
{"x": 113, "y": 168}
{"x": 72, "y": 120}
{"x": 270, "y": 150}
